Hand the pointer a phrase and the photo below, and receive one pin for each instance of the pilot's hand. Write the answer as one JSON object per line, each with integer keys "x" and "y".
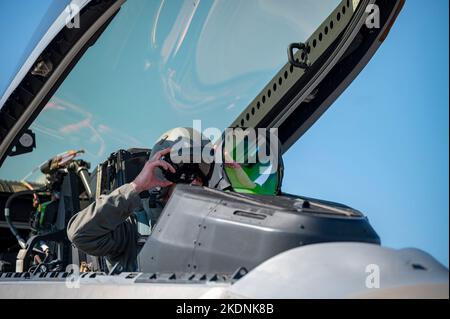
{"x": 147, "y": 178}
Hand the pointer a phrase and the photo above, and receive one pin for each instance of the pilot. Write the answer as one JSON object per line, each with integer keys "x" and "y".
{"x": 109, "y": 226}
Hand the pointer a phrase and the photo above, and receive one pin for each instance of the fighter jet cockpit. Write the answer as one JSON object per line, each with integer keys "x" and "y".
{"x": 241, "y": 195}
{"x": 153, "y": 66}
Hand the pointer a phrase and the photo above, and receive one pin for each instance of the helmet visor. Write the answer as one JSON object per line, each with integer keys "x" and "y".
{"x": 253, "y": 168}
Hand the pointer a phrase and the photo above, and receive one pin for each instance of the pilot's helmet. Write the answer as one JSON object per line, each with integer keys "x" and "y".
{"x": 191, "y": 155}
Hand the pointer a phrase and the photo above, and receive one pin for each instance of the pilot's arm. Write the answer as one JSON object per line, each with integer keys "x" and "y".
{"x": 104, "y": 227}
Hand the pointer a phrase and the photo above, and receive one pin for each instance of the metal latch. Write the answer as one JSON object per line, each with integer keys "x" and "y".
{"x": 300, "y": 47}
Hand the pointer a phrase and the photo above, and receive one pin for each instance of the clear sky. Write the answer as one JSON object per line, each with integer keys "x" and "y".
{"x": 382, "y": 148}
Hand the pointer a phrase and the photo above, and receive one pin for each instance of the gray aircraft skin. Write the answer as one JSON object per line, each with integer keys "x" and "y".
{"x": 208, "y": 242}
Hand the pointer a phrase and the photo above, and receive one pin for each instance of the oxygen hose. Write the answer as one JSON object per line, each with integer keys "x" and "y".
{"x": 13, "y": 229}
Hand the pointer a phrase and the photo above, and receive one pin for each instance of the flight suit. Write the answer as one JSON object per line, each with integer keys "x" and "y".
{"x": 109, "y": 227}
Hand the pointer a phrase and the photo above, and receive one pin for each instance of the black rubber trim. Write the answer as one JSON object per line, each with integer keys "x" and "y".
{"x": 16, "y": 105}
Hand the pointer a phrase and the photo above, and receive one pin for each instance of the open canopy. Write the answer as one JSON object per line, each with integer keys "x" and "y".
{"x": 156, "y": 65}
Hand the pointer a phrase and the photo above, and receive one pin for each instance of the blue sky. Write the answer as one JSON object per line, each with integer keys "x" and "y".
{"x": 382, "y": 148}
